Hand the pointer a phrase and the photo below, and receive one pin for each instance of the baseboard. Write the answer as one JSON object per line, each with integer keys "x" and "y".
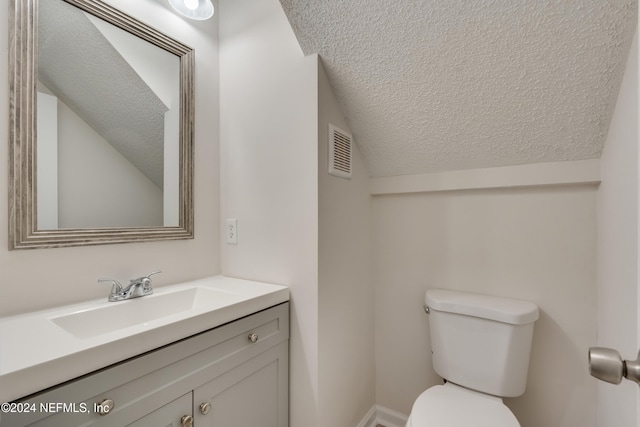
{"x": 380, "y": 415}
{"x": 389, "y": 418}
{"x": 369, "y": 419}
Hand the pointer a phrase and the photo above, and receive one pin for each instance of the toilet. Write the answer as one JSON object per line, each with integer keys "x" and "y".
{"x": 480, "y": 346}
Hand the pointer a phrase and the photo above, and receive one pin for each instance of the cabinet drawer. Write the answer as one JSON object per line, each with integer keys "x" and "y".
{"x": 142, "y": 384}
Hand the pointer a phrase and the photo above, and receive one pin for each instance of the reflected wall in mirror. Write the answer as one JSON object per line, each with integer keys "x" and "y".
{"x": 101, "y": 127}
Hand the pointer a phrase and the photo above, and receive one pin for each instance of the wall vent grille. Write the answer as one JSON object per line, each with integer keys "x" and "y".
{"x": 340, "y": 146}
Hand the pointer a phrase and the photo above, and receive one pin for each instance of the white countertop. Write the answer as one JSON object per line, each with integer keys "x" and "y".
{"x": 35, "y": 353}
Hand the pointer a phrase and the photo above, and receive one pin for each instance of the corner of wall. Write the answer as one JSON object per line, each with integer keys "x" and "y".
{"x": 269, "y": 179}
{"x": 345, "y": 291}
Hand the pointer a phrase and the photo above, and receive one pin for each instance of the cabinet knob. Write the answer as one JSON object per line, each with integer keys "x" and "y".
{"x": 105, "y": 407}
{"x": 205, "y": 408}
{"x": 186, "y": 421}
{"x": 253, "y": 337}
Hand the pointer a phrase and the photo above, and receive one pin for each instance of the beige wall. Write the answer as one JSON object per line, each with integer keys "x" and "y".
{"x": 618, "y": 248}
{"x": 269, "y": 178}
{"x": 345, "y": 292}
{"x": 38, "y": 278}
{"x": 537, "y": 244}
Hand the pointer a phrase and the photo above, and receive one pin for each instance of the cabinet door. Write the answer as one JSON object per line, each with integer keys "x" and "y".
{"x": 169, "y": 415}
{"x": 252, "y": 394}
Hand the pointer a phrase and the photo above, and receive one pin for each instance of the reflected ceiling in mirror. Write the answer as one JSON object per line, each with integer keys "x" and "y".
{"x": 111, "y": 102}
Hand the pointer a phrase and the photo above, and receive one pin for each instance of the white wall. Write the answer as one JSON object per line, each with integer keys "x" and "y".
{"x": 269, "y": 178}
{"x": 47, "y": 161}
{"x": 38, "y": 278}
{"x": 534, "y": 243}
{"x": 345, "y": 288}
{"x": 618, "y": 248}
{"x": 97, "y": 186}
{"x": 83, "y": 181}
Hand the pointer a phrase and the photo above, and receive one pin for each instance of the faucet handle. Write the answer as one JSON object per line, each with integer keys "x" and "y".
{"x": 145, "y": 281}
{"x": 144, "y": 278}
{"x": 152, "y": 273}
{"x": 116, "y": 286}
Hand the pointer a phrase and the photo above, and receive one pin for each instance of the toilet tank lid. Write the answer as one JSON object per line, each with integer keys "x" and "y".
{"x": 506, "y": 310}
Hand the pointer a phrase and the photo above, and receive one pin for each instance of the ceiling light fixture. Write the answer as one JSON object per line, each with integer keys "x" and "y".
{"x": 193, "y": 9}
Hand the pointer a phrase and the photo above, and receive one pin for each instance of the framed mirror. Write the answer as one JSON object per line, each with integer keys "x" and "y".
{"x": 101, "y": 127}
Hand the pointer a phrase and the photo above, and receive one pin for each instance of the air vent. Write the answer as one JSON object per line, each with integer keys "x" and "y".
{"x": 339, "y": 152}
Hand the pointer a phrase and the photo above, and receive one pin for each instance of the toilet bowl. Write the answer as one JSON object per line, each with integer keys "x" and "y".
{"x": 480, "y": 346}
{"x": 450, "y": 405}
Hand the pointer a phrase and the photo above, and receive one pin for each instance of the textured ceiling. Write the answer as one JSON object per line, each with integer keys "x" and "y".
{"x": 83, "y": 69}
{"x": 434, "y": 85}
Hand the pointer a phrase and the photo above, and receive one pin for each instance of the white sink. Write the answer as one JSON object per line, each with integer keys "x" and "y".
{"x": 116, "y": 316}
{"x": 45, "y": 348}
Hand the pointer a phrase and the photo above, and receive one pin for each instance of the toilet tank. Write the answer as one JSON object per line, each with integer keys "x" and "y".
{"x": 481, "y": 342}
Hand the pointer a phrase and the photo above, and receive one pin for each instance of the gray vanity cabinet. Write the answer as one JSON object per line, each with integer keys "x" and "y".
{"x": 170, "y": 415}
{"x": 248, "y": 395}
{"x": 235, "y": 375}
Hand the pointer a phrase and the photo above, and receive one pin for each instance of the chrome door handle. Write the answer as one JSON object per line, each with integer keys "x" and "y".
{"x": 607, "y": 365}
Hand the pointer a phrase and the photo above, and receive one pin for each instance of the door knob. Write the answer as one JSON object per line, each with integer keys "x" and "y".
{"x": 607, "y": 365}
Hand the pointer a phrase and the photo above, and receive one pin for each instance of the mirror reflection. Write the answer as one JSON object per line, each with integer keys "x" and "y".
{"x": 100, "y": 127}
{"x": 108, "y": 124}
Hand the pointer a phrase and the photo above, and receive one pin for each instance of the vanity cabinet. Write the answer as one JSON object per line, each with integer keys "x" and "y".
{"x": 235, "y": 375}
{"x": 246, "y": 396}
{"x": 170, "y": 415}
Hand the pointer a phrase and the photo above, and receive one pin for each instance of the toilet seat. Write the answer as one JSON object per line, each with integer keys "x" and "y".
{"x": 450, "y": 405}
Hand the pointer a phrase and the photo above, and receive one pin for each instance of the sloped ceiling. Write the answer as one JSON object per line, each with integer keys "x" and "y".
{"x": 436, "y": 85}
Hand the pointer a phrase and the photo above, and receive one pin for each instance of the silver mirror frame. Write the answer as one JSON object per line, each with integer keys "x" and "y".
{"x": 23, "y": 58}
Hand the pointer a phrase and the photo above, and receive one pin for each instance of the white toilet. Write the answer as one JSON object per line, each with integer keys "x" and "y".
{"x": 481, "y": 346}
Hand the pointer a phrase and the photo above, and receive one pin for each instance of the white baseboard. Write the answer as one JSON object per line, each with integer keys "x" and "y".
{"x": 369, "y": 419}
{"x": 380, "y": 415}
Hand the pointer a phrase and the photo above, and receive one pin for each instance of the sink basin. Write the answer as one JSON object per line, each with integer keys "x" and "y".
{"x": 69, "y": 341}
{"x": 141, "y": 311}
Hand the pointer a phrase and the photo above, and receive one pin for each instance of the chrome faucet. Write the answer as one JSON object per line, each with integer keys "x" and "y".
{"x": 137, "y": 288}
